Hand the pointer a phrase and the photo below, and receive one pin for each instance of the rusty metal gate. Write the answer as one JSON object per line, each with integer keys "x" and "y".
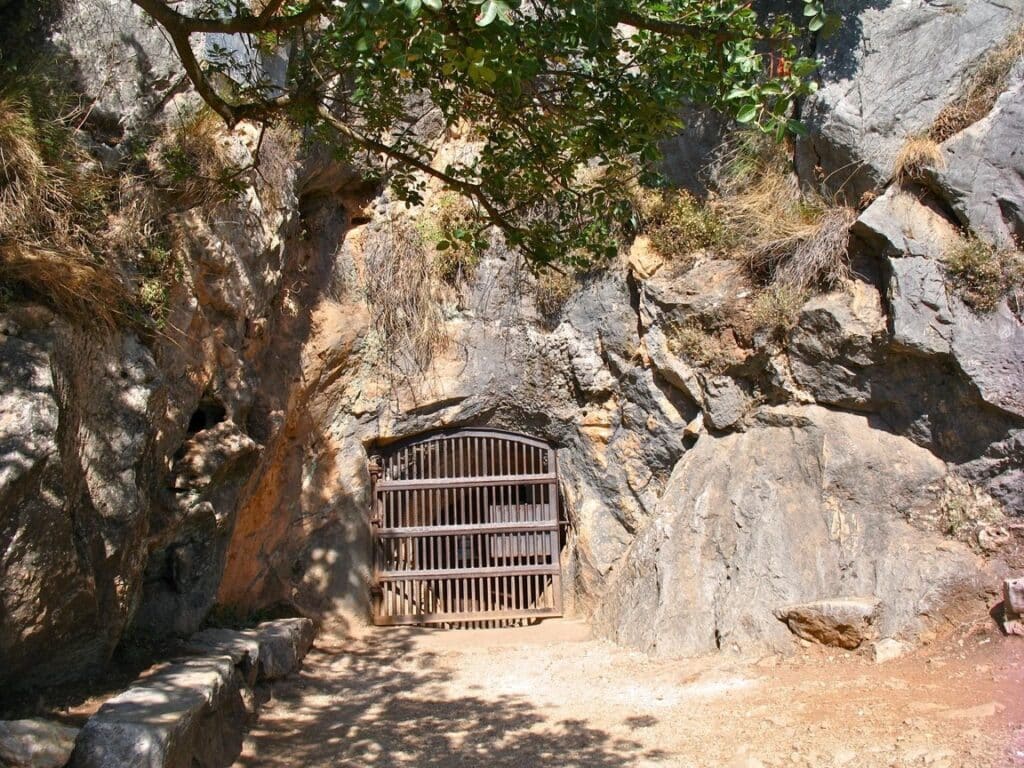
{"x": 465, "y": 529}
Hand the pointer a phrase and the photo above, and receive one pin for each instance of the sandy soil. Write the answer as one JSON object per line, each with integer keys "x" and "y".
{"x": 549, "y": 695}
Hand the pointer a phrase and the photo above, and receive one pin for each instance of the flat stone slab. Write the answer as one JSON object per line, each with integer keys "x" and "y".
{"x": 187, "y": 715}
{"x": 283, "y": 644}
{"x": 242, "y": 647}
{"x": 844, "y": 622}
{"x": 35, "y": 743}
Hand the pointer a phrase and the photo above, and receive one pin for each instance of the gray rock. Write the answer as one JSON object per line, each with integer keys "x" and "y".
{"x": 982, "y": 179}
{"x": 188, "y": 715}
{"x": 782, "y": 515}
{"x": 835, "y": 343}
{"x": 283, "y": 644}
{"x": 989, "y": 348}
{"x": 725, "y": 402}
{"x": 901, "y": 224}
{"x": 124, "y": 63}
{"x": 35, "y": 743}
{"x": 887, "y": 73}
{"x": 921, "y": 317}
{"x": 845, "y": 622}
{"x": 1013, "y": 596}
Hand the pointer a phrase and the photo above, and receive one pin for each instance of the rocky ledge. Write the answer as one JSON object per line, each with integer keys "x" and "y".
{"x": 191, "y": 712}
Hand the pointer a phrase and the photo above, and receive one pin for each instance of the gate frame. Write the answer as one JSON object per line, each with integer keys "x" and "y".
{"x": 552, "y": 525}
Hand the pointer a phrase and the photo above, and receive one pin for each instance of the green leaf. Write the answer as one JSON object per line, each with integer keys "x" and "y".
{"x": 747, "y": 113}
{"x": 413, "y": 6}
{"x": 816, "y": 23}
{"x": 442, "y": 245}
{"x": 434, "y": 5}
{"x": 488, "y": 13}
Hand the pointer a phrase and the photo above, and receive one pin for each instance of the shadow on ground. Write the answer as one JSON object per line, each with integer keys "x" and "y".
{"x": 383, "y": 702}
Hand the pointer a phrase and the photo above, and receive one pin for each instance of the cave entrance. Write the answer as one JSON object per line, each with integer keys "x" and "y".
{"x": 465, "y": 529}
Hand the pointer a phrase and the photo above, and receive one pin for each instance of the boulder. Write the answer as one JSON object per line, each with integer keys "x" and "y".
{"x": 887, "y": 73}
{"x": 844, "y": 622}
{"x": 283, "y": 644}
{"x": 900, "y": 223}
{"x": 187, "y": 715}
{"x": 984, "y": 169}
{"x": 35, "y": 744}
{"x": 76, "y": 414}
{"x": 805, "y": 504}
{"x": 124, "y": 64}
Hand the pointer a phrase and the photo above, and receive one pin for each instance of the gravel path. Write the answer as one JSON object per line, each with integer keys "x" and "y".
{"x": 549, "y": 696}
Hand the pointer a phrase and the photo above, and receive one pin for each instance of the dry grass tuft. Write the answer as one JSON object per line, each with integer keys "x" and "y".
{"x": 984, "y": 86}
{"x": 403, "y": 294}
{"x": 983, "y": 275}
{"x": 917, "y": 156}
{"x": 783, "y": 234}
{"x": 51, "y": 192}
{"x": 192, "y": 160}
{"x": 819, "y": 260}
{"x": 699, "y": 346}
{"x": 776, "y": 309}
{"x": 448, "y": 231}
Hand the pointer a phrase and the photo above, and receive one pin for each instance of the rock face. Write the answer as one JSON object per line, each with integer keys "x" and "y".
{"x": 711, "y": 483}
{"x": 791, "y": 521}
{"x": 888, "y": 72}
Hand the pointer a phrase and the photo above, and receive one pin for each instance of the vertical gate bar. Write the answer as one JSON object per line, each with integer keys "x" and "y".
{"x": 555, "y": 535}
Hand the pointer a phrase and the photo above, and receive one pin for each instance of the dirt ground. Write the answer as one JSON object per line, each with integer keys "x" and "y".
{"x": 549, "y": 695}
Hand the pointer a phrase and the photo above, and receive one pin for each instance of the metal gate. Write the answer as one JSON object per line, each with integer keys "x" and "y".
{"x": 465, "y": 528}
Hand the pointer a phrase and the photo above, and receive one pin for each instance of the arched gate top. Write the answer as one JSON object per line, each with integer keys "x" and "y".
{"x": 465, "y": 454}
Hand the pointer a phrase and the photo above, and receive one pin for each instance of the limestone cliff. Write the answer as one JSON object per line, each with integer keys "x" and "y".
{"x": 873, "y": 446}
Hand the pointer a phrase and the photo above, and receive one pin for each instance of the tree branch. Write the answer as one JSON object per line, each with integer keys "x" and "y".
{"x": 267, "y": 21}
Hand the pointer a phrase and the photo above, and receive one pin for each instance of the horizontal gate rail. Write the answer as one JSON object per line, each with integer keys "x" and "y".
{"x": 455, "y": 530}
{"x": 458, "y": 573}
{"x": 465, "y": 482}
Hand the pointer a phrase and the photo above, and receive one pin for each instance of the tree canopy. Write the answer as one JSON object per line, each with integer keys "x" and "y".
{"x": 568, "y": 97}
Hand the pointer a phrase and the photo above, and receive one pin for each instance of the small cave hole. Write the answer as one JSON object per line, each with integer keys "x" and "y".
{"x": 208, "y": 413}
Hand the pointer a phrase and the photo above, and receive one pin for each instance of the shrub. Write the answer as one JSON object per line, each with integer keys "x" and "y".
{"x": 988, "y": 80}
{"x": 679, "y": 225}
{"x": 692, "y": 342}
{"x": 776, "y": 309}
{"x": 455, "y": 245}
{"x": 916, "y": 157}
{"x": 552, "y": 290}
{"x": 983, "y": 274}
